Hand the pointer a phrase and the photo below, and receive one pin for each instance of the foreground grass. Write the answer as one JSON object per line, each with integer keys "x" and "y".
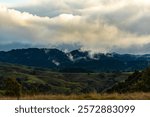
{"x": 90, "y": 96}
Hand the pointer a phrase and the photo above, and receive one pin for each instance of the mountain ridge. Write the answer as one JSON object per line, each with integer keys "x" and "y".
{"x": 59, "y": 60}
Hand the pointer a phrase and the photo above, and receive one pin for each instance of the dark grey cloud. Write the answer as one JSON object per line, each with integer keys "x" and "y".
{"x": 7, "y": 47}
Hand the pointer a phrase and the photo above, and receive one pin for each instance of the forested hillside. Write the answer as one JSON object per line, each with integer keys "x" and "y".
{"x": 75, "y": 61}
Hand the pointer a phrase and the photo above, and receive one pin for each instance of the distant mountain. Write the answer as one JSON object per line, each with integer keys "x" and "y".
{"x": 49, "y": 58}
{"x": 76, "y": 60}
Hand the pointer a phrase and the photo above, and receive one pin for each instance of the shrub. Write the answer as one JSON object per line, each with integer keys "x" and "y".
{"x": 13, "y": 88}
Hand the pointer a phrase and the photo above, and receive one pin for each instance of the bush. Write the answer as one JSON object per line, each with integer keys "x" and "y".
{"x": 13, "y": 88}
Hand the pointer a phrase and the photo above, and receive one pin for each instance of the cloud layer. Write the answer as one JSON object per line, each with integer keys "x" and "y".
{"x": 112, "y": 26}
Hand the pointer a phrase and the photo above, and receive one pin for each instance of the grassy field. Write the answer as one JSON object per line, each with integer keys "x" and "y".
{"x": 90, "y": 96}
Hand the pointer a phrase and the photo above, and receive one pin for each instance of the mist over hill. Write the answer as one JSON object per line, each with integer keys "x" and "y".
{"x": 76, "y": 60}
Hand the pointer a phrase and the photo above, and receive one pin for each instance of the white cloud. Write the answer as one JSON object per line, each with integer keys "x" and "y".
{"x": 112, "y": 25}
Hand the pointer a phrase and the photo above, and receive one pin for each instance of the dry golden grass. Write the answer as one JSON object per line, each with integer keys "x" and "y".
{"x": 90, "y": 96}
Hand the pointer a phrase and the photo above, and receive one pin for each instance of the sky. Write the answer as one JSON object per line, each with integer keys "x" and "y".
{"x": 12, "y": 2}
{"x": 121, "y": 26}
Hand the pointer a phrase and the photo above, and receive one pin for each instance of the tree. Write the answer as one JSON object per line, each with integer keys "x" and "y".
{"x": 13, "y": 88}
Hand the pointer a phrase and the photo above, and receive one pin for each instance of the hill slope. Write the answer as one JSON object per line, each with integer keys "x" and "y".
{"x": 137, "y": 82}
{"x": 39, "y": 80}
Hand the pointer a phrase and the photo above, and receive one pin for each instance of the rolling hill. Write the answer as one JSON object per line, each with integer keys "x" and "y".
{"x": 44, "y": 81}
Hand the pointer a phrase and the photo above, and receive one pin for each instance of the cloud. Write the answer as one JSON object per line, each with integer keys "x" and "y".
{"x": 93, "y": 25}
